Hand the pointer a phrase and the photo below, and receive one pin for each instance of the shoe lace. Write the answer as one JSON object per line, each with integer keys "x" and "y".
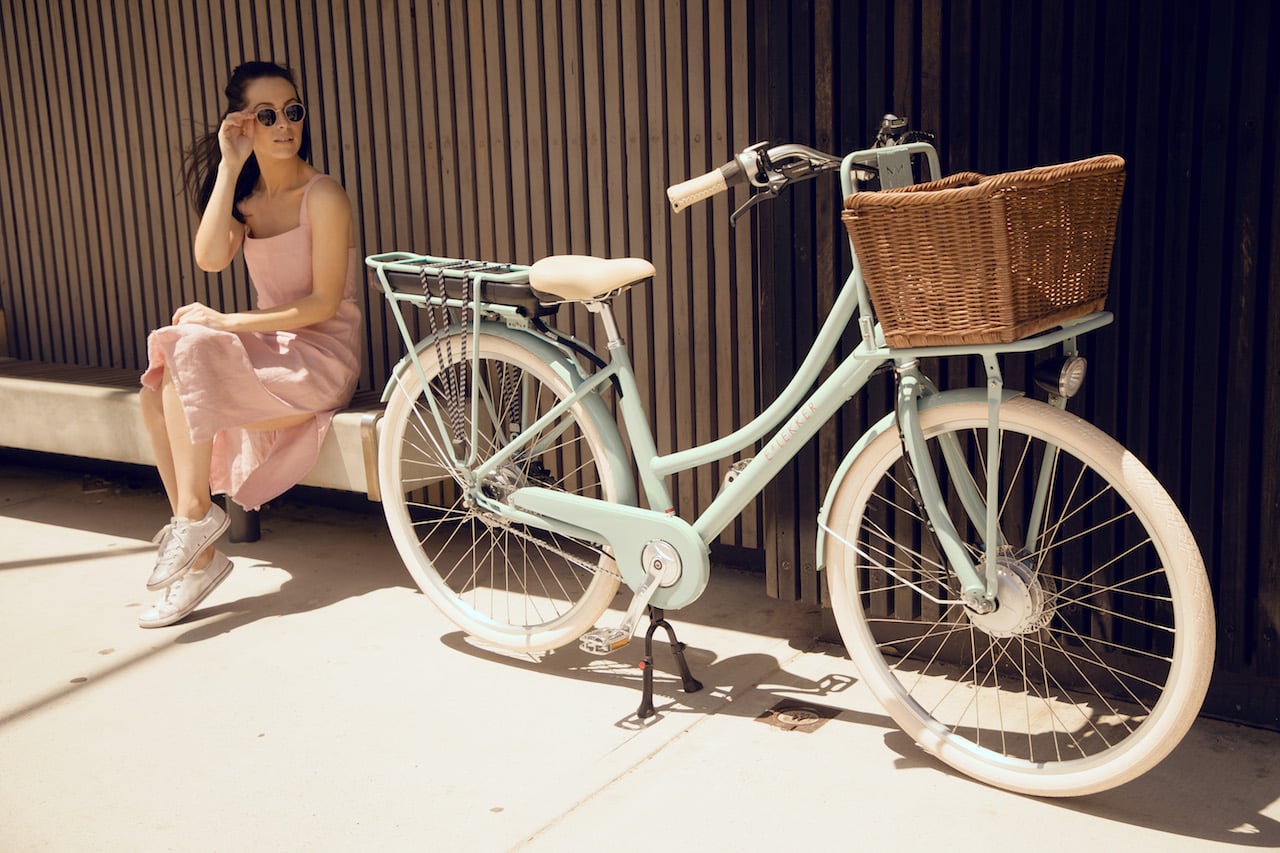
{"x": 174, "y": 542}
{"x": 162, "y": 533}
{"x": 174, "y": 590}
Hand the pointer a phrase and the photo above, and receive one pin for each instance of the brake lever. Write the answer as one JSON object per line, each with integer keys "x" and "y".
{"x": 756, "y": 198}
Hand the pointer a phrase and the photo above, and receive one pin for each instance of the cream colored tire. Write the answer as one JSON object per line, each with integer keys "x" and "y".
{"x": 519, "y": 588}
{"x": 1098, "y": 659}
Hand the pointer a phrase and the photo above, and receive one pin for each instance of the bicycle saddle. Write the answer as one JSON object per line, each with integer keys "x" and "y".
{"x": 582, "y": 277}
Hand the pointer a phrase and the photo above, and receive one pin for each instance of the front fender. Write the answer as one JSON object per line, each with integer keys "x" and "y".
{"x": 888, "y": 422}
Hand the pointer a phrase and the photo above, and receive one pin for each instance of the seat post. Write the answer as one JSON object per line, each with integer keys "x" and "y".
{"x": 611, "y": 332}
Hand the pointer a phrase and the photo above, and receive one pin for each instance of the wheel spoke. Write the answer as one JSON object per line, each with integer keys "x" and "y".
{"x": 512, "y": 585}
{"x": 1078, "y": 649}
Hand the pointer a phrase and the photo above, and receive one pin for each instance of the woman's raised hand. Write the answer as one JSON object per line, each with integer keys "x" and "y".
{"x": 235, "y": 137}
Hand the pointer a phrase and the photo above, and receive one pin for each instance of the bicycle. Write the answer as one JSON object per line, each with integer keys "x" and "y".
{"x": 1014, "y": 587}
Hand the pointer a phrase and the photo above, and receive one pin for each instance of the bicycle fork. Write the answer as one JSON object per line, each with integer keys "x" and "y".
{"x": 978, "y": 582}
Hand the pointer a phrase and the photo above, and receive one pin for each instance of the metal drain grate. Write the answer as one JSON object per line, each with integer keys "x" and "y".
{"x": 793, "y": 716}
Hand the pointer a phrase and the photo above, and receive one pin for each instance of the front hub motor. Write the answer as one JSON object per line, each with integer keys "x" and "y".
{"x": 1021, "y": 605}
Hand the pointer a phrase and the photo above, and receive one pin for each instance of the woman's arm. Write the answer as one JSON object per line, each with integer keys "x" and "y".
{"x": 329, "y": 211}
{"x": 219, "y": 236}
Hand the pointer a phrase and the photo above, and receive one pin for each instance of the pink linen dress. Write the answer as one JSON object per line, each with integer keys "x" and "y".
{"x": 228, "y": 379}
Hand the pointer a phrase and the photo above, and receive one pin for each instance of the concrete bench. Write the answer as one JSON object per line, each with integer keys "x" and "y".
{"x": 94, "y": 413}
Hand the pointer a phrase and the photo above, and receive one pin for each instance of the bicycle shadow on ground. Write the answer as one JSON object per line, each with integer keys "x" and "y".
{"x": 1215, "y": 786}
{"x": 1198, "y": 792}
{"x": 726, "y": 682}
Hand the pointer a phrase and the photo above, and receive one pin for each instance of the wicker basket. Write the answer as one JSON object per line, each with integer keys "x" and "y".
{"x": 980, "y": 260}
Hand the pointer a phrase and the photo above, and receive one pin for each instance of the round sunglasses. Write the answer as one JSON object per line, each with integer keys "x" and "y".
{"x": 294, "y": 113}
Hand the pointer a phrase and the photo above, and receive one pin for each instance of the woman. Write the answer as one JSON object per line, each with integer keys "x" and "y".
{"x": 240, "y": 402}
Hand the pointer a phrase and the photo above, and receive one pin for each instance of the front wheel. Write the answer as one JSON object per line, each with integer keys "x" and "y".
{"x": 517, "y": 587}
{"x": 1098, "y": 655}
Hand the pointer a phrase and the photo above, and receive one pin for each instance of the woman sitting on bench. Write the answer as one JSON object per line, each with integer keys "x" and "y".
{"x": 239, "y": 403}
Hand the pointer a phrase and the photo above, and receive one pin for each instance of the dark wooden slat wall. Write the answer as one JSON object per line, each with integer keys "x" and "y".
{"x": 475, "y": 129}
{"x": 1188, "y": 376}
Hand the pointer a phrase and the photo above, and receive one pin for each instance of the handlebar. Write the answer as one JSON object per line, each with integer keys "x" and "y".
{"x": 769, "y": 170}
{"x": 703, "y": 187}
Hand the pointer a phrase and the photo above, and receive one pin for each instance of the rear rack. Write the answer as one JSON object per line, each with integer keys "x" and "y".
{"x": 457, "y": 283}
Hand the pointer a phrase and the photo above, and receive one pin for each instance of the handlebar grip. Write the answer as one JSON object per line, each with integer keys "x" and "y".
{"x": 697, "y": 189}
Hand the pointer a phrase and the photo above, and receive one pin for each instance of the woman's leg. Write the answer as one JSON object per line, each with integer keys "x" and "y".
{"x": 281, "y": 423}
{"x": 157, "y": 431}
{"x": 184, "y": 468}
{"x": 191, "y": 459}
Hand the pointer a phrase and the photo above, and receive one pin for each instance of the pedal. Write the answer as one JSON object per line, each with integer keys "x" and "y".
{"x": 662, "y": 568}
{"x": 603, "y": 641}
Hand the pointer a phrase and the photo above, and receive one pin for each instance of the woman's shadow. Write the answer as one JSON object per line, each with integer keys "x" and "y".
{"x": 324, "y": 564}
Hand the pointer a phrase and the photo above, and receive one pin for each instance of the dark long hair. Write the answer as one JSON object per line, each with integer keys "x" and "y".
{"x": 200, "y": 162}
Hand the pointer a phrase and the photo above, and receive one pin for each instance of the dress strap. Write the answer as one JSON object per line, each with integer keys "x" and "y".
{"x": 302, "y": 214}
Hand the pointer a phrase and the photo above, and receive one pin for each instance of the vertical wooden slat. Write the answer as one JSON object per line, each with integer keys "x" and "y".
{"x": 462, "y": 60}
{"x": 517, "y": 121}
{"x": 569, "y": 156}
{"x": 779, "y": 319}
{"x": 636, "y": 182}
{"x": 87, "y": 252}
{"x": 612, "y": 104}
{"x": 747, "y": 367}
{"x": 150, "y": 305}
{"x": 166, "y": 109}
{"x": 106, "y": 182}
{"x": 1207, "y": 307}
{"x": 498, "y": 169}
{"x": 719, "y": 145}
{"x": 594, "y": 116}
{"x": 23, "y": 301}
{"x": 682, "y": 39}
{"x": 33, "y": 90}
{"x": 53, "y": 134}
{"x": 1268, "y": 459}
{"x": 653, "y": 60}
{"x": 1242, "y": 303}
{"x": 536, "y": 132}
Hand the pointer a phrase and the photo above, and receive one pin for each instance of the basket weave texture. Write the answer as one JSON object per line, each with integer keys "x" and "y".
{"x": 974, "y": 259}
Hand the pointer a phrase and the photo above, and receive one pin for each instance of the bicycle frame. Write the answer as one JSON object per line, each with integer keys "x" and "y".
{"x": 793, "y": 418}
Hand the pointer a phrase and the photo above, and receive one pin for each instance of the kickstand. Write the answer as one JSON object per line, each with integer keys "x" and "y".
{"x": 691, "y": 685}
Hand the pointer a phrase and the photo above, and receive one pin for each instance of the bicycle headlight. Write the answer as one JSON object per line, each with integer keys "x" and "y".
{"x": 1062, "y": 376}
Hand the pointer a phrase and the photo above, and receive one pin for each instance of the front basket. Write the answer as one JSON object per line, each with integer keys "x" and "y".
{"x": 972, "y": 259}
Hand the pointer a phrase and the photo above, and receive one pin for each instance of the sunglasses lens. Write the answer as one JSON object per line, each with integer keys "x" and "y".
{"x": 295, "y": 112}
{"x": 266, "y": 117}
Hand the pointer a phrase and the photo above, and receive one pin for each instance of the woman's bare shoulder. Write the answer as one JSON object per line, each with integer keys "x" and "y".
{"x": 328, "y": 197}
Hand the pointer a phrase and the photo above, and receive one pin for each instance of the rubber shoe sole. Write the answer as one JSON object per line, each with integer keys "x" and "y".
{"x": 220, "y": 567}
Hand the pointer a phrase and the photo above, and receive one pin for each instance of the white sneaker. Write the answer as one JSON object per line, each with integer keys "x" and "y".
{"x": 186, "y": 593}
{"x": 181, "y": 541}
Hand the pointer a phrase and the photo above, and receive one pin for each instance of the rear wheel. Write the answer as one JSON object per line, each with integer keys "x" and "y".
{"x": 1097, "y": 658}
{"x": 518, "y": 587}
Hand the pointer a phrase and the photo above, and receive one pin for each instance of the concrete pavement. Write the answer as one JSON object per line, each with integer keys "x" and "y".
{"x": 318, "y": 702}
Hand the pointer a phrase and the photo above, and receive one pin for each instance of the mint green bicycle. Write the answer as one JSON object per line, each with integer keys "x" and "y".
{"x": 1015, "y": 587}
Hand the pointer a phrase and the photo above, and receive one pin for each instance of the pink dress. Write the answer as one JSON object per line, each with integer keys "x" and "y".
{"x": 228, "y": 379}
